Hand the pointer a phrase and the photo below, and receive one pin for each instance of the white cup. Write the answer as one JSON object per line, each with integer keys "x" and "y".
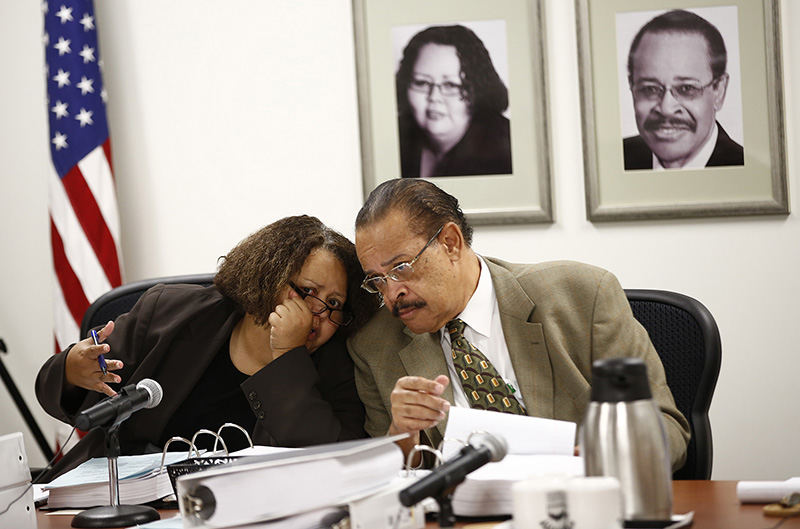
{"x": 549, "y": 502}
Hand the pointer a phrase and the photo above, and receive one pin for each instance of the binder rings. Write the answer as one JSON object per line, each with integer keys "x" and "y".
{"x": 259, "y": 488}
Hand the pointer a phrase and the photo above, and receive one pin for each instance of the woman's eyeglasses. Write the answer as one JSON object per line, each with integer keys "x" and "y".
{"x": 425, "y": 86}
{"x": 340, "y": 317}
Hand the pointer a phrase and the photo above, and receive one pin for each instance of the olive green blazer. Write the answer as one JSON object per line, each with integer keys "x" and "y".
{"x": 557, "y": 317}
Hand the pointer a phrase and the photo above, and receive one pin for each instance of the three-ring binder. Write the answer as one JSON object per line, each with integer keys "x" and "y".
{"x": 198, "y": 462}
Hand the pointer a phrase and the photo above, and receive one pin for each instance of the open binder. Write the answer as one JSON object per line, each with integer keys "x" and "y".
{"x": 258, "y": 488}
{"x": 142, "y": 478}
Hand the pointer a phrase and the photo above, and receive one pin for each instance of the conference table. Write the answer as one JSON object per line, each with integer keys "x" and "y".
{"x": 714, "y": 504}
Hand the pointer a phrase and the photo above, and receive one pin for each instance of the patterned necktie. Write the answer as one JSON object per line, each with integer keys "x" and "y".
{"x": 485, "y": 388}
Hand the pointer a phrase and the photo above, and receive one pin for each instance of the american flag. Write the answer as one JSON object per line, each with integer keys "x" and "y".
{"x": 84, "y": 221}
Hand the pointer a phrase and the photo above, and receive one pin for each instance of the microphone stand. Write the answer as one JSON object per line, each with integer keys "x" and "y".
{"x": 114, "y": 515}
{"x": 446, "y": 516}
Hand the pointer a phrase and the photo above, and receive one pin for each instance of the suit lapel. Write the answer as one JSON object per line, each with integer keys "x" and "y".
{"x": 525, "y": 341}
{"x": 423, "y": 356}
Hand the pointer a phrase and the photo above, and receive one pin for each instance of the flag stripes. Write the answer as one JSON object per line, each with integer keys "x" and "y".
{"x": 84, "y": 218}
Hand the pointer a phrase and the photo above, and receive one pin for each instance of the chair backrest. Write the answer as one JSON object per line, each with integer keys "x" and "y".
{"x": 122, "y": 299}
{"x": 686, "y": 338}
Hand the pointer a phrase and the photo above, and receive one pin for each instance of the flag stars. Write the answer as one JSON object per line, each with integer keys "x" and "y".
{"x": 62, "y": 46}
{"x": 86, "y": 86}
{"x": 60, "y": 141}
{"x": 60, "y": 109}
{"x": 87, "y": 53}
{"x": 104, "y": 95}
{"x": 46, "y": 39}
{"x": 65, "y": 14}
{"x": 85, "y": 117}
{"x": 62, "y": 78}
{"x": 87, "y": 22}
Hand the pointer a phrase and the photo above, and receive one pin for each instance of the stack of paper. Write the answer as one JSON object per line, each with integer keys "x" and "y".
{"x": 141, "y": 480}
{"x": 536, "y": 446}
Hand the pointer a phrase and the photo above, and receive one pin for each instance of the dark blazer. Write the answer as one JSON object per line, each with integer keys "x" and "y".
{"x": 485, "y": 149}
{"x": 726, "y": 152}
{"x": 557, "y": 319}
{"x": 171, "y": 336}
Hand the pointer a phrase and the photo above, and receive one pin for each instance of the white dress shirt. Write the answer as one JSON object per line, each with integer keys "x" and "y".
{"x": 484, "y": 331}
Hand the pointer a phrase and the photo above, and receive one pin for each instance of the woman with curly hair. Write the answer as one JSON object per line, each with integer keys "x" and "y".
{"x": 450, "y": 106}
{"x": 262, "y": 347}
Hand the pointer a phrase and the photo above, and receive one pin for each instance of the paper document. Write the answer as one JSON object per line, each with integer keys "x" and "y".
{"x": 487, "y": 491}
{"x": 523, "y": 434}
{"x": 141, "y": 480}
{"x": 536, "y": 446}
{"x": 766, "y": 491}
{"x": 95, "y": 470}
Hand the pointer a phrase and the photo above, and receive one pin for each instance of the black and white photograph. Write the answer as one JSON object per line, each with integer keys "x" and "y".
{"x": 680, "y": 88}
{"x": 455, "y": 92}
{"x": 681, "y": 109}
{"x": 452, "y": 100}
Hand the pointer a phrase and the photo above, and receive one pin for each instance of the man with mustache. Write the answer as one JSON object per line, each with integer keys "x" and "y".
{"x": 677, "y": 77}
{"x": 467, "y": 330}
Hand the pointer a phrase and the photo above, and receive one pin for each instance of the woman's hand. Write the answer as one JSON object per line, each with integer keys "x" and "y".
{"x": 290, "y": 325}
{"x": 83, "y": 369}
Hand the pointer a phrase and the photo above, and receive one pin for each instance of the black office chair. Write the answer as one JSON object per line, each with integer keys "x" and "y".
{"x": 122, "y": 299}
{"x": 686, "y": 338}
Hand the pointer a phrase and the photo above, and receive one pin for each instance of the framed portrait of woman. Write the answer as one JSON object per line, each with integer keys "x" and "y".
{"x": 682, "y": 108}
{"x": 444, "y": 95}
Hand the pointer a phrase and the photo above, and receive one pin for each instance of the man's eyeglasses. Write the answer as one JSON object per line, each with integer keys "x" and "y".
{"x": 401, "y": 272}
{"x": 426, "y": 86}
{"x": 340, "y": 317}
{"x": 654, "y": 91}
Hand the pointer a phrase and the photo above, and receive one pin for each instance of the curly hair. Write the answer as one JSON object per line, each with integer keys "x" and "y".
{"x": 426, "y": 206}
{"x": 482, "y": 87}
{"x": 255, "y": 272}
{"x": 680, "y": 21}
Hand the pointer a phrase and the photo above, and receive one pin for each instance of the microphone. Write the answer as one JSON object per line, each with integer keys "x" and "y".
{"x": 484, "y": 447}
{"x": 110, "y": 412}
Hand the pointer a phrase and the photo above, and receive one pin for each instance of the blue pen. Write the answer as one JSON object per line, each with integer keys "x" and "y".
{"x": 100, "y": 359}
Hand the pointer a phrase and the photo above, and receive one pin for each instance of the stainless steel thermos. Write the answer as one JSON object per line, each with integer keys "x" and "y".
{"x": 623, "y": 436}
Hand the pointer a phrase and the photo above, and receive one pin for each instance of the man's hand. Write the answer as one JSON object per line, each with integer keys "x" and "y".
{"x": 417, "y": 405}
{"x": 83, "y": 369}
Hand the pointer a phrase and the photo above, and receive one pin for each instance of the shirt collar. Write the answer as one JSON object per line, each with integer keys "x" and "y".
{"x": 480, "y": 307}
{"x": 699, "y": 160}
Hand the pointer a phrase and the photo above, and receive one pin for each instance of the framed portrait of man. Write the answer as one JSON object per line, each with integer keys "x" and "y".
{"x": 665, "y": 131}
{"x": 443, "y": 95}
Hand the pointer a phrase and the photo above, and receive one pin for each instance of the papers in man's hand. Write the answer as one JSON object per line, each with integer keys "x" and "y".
{"x": 536, "y": 446}
{"x": 524, "y": 435}
{"x": 766, "y": 491}
{"x": 141, "y": 480}
{"x": 259, "y": 488}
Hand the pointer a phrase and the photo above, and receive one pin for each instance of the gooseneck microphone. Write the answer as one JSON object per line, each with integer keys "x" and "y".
{"x": 483, "y": 448}
{"x": 146, "y": 394}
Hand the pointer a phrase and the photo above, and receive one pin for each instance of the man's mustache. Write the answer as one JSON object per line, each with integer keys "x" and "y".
{"x": 657, "y": 122}
{"x": 403, "y": 306}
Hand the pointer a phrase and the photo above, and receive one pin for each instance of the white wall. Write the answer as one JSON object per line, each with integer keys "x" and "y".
{"x": 226, "y": 116}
